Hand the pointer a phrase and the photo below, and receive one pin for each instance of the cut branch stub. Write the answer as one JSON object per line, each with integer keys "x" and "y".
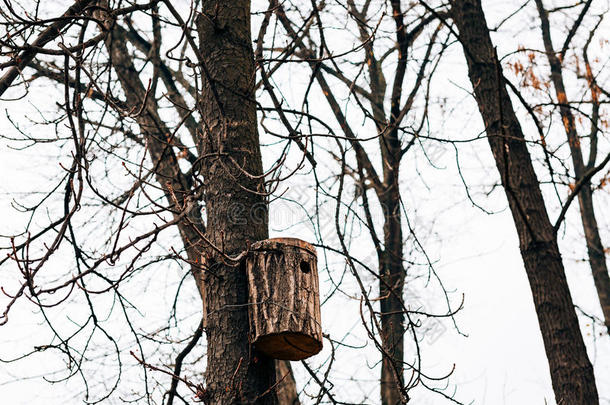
{"x": 284, "y": 310}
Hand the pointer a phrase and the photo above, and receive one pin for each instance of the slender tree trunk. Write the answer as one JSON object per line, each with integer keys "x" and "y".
{"x": 392, "y": 272}
{"x": 392, "y": 310}
{"x": 595, "y": 248}
{"x": 286, "y": 387}
{"x": 176, "y": 186}
{"x": 571, "y": 371}
{"x": 235, "y": 202}
{"x": 391, "y": 259}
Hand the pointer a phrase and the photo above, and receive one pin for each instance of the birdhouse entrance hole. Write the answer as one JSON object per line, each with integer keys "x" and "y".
{"x": 305, "y": 267}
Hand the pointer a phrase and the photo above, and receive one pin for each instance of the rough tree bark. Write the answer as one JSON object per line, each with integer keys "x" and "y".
{"x": 595, "y": 248}
{"x": 236, "y": 205}
{"x": 571, "y": 371}
{"x": 392, "y": 274}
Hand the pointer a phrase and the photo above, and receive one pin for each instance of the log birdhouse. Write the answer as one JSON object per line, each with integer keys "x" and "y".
{"x": 284, "y": 310}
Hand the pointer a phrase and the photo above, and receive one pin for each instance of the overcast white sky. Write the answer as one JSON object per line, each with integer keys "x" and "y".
{"x": 501, "y": 361}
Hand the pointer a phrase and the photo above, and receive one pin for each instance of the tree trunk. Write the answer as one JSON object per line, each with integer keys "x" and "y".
{"x": 286, "y": 388}
{"x": 571, "y": 371}
{"x": 236, "y": 205}
{"x": 167, "y": 172}
{"x": 595, "y": 248}
{"x": 392, "y": 309}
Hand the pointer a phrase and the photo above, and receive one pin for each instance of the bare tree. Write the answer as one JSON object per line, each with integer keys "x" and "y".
{"x": 375, "y": 167}
{"x": 583, "y": 172}
{"x": 155, "y": 127}
{"x": 223, "y": 159}
{"x": 571, "y": 370}
{"x": 174, "y": 104}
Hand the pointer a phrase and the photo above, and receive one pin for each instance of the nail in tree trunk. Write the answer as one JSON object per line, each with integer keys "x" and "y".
{"x": 571, "y": 371}
{"x": 235, "y": 204}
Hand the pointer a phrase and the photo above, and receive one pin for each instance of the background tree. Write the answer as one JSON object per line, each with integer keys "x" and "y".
{"x": 393, "y": 123}
{"x": 571, "y": 370}
{"x": 583, "y": 172}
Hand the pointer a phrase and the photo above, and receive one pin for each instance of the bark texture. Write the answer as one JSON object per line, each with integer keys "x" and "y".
{"x": 571, "y": 371}
{"x": 595, "y": 248}
{"x": 236, "y": 206}
{"x": 392, "y": 281}
{"x": 284, "y": 308}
